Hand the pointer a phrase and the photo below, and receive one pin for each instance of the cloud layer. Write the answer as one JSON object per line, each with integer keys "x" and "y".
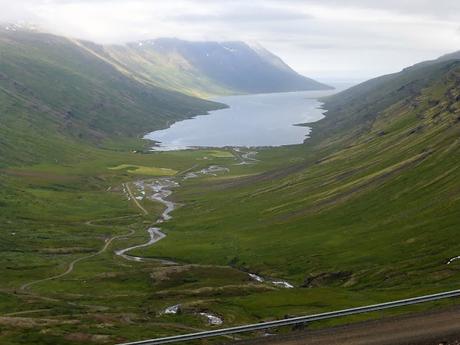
{"x": 325, "y": 39}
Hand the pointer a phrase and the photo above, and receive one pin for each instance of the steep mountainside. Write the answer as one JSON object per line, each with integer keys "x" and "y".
{"x": 372, "y": 203}
{"x": 55, "y": 93}
{"x": 209, "y": 67}
{"x": 451, "y": 56}
{"x": 354, "y": 110}
{"x": 364, "y": 212}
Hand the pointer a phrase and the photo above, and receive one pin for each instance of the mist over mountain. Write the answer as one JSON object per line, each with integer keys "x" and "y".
{"x": 210, "y": 67}
{"x": 106, "y": 238}
{"x": 82, "y": 92}
{"x": 56, "y": 94}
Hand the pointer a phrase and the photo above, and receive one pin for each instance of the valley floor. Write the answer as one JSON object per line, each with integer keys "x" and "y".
{"x": 253, "y": 237}
{"x": 99, "y": 245}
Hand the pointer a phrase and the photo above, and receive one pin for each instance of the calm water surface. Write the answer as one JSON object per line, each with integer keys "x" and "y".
{"x": 251, "y": 121}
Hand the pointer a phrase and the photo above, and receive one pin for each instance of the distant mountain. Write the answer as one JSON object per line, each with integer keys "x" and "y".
{"x": 60, "y": 95}
{"x": 209, "y": 67}
{"x": 56, "y": 96}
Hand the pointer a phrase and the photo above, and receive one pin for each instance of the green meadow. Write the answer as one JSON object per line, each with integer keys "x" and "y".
{"x": 365, "y": 211}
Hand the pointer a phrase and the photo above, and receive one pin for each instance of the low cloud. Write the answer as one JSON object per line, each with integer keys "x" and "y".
{"x": 321, "y": 38}
{"x": 251, "y": 13}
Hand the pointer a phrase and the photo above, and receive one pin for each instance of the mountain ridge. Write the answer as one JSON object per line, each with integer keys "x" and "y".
{"x": 362, "y": 103}
{"x": 212, "y": 67}
{"x": 81, "y": 99}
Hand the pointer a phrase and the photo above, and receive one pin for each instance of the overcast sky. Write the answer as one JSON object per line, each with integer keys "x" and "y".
{"x": 323, "y": 39}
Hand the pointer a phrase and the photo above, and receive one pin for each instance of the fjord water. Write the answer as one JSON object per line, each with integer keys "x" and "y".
{"x": 251, "y": 120}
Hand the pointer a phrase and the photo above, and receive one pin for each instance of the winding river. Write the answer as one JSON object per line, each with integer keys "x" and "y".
{"x": 160, "y": 189}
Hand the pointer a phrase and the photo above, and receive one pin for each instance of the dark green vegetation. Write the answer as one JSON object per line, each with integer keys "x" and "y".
{"x": 54, "y": 215}
{"x": 379, "y": 172}
{"x": 208, "y": 67}
{"x": 366, "y": 211}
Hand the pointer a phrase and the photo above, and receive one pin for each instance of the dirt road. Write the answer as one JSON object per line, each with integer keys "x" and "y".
{"x": 429, "y": 328}
{"x": 72, "y": 264}
{"x": 133, "y": 198}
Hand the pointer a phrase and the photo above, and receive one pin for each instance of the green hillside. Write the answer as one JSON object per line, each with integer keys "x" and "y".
{"x": 169, "y": 70}
{"x": 355, "y": 109}
{"x": 57, "y": 95}
{"x": 206, "y": 68}
{"x": 365, "y": 211}
{"x": 374, "y": 196}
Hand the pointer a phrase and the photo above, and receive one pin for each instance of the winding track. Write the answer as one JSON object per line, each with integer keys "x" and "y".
{"x": 72, "y": 264}
{"x": 162, "y": 190}
{"x": 155, "y": 233}
{"x": 135, "y": 200}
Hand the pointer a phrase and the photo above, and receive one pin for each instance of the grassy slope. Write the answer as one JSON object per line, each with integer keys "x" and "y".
{"x": 354, "y": 110}
{"x": 171, "y": 71}
{"x": 53, "y": 214}
{"x": 55, "y": 85}
{"x": 380, "y": 205}
{"x": 205, "y": 68}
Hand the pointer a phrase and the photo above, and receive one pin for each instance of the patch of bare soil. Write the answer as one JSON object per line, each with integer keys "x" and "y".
{"x": 429, "y": 328}
{"x": 28, "y": 322}
{"x": 85, "y": 337}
